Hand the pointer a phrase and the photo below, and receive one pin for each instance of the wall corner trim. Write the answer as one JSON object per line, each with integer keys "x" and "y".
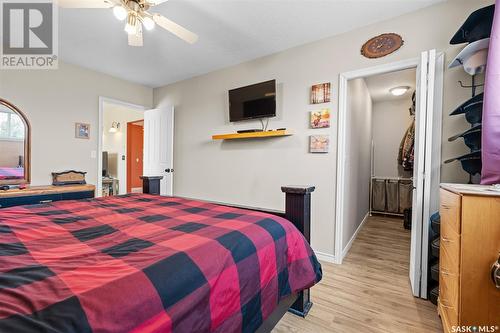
{"x": 349, "y": 244}
{"x": 327, "y": 257}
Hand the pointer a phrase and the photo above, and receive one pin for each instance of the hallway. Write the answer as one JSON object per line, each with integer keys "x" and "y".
{"x": 370, "y": 291}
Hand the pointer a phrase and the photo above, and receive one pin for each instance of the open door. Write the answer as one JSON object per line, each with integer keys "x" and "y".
{"x": 427, "y": 164}
{"x": 159, "y": 146}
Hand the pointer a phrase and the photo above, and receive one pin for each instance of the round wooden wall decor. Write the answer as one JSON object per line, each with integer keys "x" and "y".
{"x": 382, "y": 45}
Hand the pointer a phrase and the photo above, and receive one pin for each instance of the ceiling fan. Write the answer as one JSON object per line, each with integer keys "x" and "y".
{"x": 137, "y": 15}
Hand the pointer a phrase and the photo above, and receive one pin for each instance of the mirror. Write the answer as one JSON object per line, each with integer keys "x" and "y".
{"x": 14, "y": 145}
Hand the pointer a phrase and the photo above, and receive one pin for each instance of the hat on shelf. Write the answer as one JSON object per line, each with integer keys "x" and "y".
{"x": 472, "y": 137}
{"x": 473, "y": 109}
{"x": 473, "y": 57}
{"x": 477, "y": 26}
{"x": 471, "y": 162}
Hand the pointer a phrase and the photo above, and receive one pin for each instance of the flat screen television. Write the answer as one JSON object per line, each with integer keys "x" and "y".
{"x": 255, "y": 101}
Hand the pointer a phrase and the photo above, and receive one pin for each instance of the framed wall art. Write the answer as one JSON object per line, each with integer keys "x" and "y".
{"x": 82, "y": 131}
{"x": 320, "y": 93}
{"x": 319, "y": 143}
{"x": 320, "y": 119}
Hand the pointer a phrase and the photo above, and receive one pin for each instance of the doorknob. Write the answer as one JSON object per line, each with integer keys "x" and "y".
{"x": 169, "y": 170}
{"x": 495, "y": 273}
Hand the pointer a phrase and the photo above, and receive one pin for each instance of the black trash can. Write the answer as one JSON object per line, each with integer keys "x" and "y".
{"x": 407, "y": 218}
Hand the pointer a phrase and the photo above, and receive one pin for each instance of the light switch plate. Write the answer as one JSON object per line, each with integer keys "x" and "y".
{"x": 93, "y": 154}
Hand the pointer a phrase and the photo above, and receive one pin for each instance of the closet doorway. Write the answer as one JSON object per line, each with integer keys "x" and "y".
{"x": 393, "y": 97}
{"x": 367, "y": 153}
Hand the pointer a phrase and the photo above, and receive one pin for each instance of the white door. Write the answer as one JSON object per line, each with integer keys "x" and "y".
{"x": 427, "y": 163}
{"x": 159, "y": 146}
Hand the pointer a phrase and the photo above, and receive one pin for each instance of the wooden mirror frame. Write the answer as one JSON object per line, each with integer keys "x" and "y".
{"x": 27, "y": 146}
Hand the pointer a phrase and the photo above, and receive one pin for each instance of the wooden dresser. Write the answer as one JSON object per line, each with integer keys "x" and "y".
{"x": 469, "y": 245}
{"x": 44, "y": 194}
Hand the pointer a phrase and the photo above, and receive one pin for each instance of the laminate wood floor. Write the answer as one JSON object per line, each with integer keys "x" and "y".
{"x": 370, "y": 291}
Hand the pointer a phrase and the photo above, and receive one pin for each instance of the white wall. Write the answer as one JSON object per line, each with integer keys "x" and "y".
{"x": 358, "y": 156}
{"x": 250, "y": 172}
{"x": 116, "y": 143}
{"x": 391, "y": 119}
{"x": 53, "y": 101}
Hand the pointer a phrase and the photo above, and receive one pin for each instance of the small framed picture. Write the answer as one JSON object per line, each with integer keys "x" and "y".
{"x": 319, "y": 143}
{"x": 320, "y": 93}
{"x": 82, "y": 131}
{"x": 320, "y": 119}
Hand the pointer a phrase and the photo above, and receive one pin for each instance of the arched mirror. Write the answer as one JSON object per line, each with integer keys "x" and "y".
{"x": 14, "y": 145}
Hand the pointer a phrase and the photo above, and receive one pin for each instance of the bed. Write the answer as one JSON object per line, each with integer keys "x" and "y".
{"x": 144, "y": 263}
{"x": 11, "y": 173}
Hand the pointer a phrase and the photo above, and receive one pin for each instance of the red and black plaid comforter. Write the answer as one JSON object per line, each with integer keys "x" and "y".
{"x": 143, "y": 263}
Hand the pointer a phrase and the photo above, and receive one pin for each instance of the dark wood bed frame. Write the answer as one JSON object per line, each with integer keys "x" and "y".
{"x": 297, "y": 211}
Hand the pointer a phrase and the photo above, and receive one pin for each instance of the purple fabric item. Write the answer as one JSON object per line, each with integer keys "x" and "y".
{"x": 11, "y": 173}
{"x": 491, "y": 111}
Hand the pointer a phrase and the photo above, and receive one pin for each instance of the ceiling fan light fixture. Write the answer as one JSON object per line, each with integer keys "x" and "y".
{"x": 137, "y": 16}
{"x": 130, "y": 27}
{"x": 148, "y": 23}
{"x": 120, "y": 12}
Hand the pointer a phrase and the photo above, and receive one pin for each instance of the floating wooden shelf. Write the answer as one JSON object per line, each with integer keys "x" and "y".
{"x": 251, "y": 135}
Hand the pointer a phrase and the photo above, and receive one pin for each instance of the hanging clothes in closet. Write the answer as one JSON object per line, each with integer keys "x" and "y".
{"x": 407, "y": 147}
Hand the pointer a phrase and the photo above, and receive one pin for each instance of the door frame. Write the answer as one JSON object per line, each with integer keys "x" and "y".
{"x": 344, "y": 78}
{"x": 340, "y": 203}
{"x": 432, "y": 165}
{"x": 100, "y": 129}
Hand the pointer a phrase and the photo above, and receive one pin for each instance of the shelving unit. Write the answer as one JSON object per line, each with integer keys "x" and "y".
{"x": 252, "y": 135}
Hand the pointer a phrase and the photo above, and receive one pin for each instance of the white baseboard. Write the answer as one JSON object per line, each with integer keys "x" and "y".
{"x": 349, "y": 244}
{"x": 327, "y": 257}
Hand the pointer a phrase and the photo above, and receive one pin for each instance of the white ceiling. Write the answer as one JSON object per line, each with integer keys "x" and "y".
{"x": 230, "y": 31}
{"x": 379, "y": 85}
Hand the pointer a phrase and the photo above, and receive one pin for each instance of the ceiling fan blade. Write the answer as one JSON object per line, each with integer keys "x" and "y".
{"x": 136, "y": 38}
{"x": 176, "y": 29}
{"x": 86, "y": 3}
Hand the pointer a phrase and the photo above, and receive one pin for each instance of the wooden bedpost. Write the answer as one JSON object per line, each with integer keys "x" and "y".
{"x": 298, "y": 211}
{"x": 151, "y": 184}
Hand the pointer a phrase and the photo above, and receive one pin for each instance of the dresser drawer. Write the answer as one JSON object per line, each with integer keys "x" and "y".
{"x": 77, "y": 195}
{"x": 449, "y": 296}
{"x": 449, "y": 315}
{"x": 449, "y": 289}
{"x": 449, "y": 259}
{"x": 450, "y": 211}
{"x": 29, "y": 200}
{"x": 449, "y": 252}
